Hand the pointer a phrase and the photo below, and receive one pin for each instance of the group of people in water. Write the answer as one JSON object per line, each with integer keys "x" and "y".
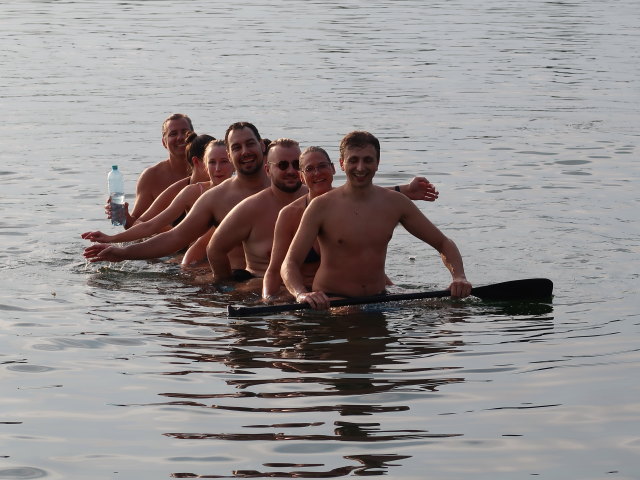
{"x": 255, "y": 208}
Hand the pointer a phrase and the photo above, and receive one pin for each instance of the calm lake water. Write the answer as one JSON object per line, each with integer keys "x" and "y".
{"x": 525, "y": 115}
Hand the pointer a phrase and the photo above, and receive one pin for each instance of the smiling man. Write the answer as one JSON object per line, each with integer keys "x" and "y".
{"x": 354, "y": 224}
{"x": 252, "y": 221}
{"x": 155, "y": 179}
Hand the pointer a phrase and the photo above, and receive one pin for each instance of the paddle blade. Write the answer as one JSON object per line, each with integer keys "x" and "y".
{"x": 538, "y": 289}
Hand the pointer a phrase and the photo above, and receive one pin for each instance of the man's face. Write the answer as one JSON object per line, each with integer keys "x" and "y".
{"x": 174, "y": 137}
{"x": 360, "y": 165}
{"x": 245, "y": 151}
{"x": 288, "y": 179}
{"x": 316, "y": 172}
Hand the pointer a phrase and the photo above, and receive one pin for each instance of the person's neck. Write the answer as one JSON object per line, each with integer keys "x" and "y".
{"x": 286, "y": 198}
{"x": 359, "y": 191}
{"x": 179, "y": 164}
{"x": 311, "y": 195}
{"x": 255, "y": 180}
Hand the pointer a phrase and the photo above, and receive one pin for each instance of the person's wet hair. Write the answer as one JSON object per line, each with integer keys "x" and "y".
{"x": 359, "y": 139}
{"x": 196, "y": 145}
{"x": 239, "y": 126}
{"x": 314, "y": 149}
{"x": 285, "y": 142}
{"x": 176, "y": 116}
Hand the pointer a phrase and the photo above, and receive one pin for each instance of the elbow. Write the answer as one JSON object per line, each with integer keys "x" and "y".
{"x": 284, "y": 269}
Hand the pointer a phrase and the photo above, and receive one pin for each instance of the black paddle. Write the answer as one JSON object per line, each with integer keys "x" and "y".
{"x": 530, "y": 289}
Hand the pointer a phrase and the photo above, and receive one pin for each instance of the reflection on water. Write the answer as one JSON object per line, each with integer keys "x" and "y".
{"x": 349, "y": 365}
{"x": 369, "y": 465}
{"x": 353, "y": 363}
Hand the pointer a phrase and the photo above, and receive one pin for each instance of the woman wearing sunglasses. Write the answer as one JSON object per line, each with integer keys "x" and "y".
{"x": 316, "y": 172}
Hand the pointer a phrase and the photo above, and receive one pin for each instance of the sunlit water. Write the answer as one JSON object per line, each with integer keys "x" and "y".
{"x": 525, "y": 115}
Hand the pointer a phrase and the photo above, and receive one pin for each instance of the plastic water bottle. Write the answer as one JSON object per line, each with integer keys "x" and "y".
{"x": 116, "y": 193}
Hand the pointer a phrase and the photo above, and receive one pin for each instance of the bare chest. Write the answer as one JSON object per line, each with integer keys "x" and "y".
{"x": 353, "y": 226}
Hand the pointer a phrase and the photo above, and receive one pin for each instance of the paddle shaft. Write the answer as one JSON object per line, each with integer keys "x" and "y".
{"x": 536, "y": 289}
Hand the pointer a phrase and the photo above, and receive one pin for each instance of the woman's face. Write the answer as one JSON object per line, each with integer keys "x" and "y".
{"x": 316, "y": 171}
{"x": 218, "y": 164}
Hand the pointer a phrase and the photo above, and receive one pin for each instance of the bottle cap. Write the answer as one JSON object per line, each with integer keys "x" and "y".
{"x": 114, "y": 167}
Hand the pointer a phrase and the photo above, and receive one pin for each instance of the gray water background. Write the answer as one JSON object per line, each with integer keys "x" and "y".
{"x": 525, "y": 115}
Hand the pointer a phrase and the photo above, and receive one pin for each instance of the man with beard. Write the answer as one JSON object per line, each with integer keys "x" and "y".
{"x": 252, "y": 221}
{"x": 246, "y": 151}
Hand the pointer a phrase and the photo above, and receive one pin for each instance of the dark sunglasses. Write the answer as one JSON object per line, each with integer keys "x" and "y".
{"x": 284, "y": 164}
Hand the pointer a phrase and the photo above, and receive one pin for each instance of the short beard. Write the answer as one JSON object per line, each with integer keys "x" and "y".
{"x": 253, "y": 171}
{"x": 287, "y": 189}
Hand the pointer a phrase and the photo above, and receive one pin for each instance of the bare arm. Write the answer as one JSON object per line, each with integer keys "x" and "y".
{"x": 421, "y": 227}
{"x": 291, "y": 266}
{"x": 285, "y": 229}
{"x": 420, "y": 189}
{"x": 182, "y": 202}
{"x": 144, "y": 197}
{"x": 232, "y": 231}
{"x": 163, "y": 201}
{"x": 197, "y": 252}
{"x": 195, "y": 224}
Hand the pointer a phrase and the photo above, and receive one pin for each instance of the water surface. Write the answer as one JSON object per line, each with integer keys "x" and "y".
{"x": 523, "y": 113}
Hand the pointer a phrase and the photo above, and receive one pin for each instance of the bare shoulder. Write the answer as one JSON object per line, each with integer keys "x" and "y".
{"x": 292, "y": 213}
{"x": 256, "y": 200}
{"x": 392, "y": 198}
{"x": 157, "y": 170}
{"x": 332, "y": 196}
{"x": 295, "y": 208}
{"x": 189, "y": 192}
{"x": 177, "y": 187}
{"x": 218, "y": 191}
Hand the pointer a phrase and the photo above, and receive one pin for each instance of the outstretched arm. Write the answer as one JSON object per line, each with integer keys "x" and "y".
{"x": 157, "y": 224}
{"x": 195, "y": 224}
{"x": 164, "y": 200}
{"x": 419, "y": 189}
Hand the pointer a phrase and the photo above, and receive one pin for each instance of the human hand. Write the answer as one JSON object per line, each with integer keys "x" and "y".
{"x": 97, "y": 236}
{"x": 108, "y": 211}
{"x": 460, "y": 287}
{"x": 107, "y": 208}
{"x": 421, "y": 189}
{"x": 317, "y": 300}
{"x": 101, "y": 252}
{"x": 280, "y": 297}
